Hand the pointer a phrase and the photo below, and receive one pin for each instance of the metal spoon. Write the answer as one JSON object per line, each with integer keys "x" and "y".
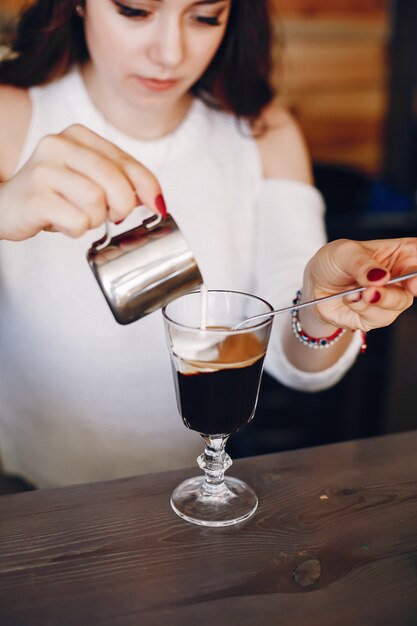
{"x": 295, "y": 307}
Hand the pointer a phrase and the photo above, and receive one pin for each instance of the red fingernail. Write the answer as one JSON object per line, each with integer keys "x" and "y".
{"x": 119, "y": 221}
{"x": 376, "y": 297}
{"x": 160, "y": 205}
{"x": 376, "y": 274}
{"x": 357, "y": 298}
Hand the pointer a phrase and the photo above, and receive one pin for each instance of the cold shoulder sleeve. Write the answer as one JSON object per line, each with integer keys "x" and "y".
{"x": 289, "y": 230}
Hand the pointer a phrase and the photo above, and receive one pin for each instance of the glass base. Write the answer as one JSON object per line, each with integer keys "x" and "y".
{"x": 211, "y": 505}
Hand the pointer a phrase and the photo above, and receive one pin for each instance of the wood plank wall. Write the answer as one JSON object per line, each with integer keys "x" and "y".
{"x": 8, "y": 11}
{"x": 335, "y": 76}
{"x": 12, "y": 6}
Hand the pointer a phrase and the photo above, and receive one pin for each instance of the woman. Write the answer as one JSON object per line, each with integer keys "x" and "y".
{"x": 104, "y": 105}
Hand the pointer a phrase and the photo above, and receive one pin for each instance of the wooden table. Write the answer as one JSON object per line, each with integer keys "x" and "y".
{"x": 334, "y": 542}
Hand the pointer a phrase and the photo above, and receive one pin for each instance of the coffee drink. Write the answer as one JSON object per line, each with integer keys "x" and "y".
{"x": 219, "y": 396}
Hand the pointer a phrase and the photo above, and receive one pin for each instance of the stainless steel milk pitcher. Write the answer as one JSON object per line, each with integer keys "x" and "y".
{"x": 142, "y": 269}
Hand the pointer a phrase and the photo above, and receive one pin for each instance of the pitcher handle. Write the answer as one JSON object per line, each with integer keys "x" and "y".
{"x": 149, "y": 223}
{"x": 103, "y": 241}
{"x": 152, "y": 221}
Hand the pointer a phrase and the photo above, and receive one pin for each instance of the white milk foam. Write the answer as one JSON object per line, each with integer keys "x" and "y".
{"x": 203, "y": 346}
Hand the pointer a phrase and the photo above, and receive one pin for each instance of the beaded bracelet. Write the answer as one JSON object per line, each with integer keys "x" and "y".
{"x": 307, "y": 340}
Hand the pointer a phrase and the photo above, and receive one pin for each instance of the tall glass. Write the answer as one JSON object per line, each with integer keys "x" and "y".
{"x": 217, "y": 373}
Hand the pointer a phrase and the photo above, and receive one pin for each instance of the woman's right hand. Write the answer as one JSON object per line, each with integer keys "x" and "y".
{"x": 73, "y": 182}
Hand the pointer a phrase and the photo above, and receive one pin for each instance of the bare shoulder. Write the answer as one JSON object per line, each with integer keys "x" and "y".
{"x": 15, "y": 112}
{"x": 282, "y": 146}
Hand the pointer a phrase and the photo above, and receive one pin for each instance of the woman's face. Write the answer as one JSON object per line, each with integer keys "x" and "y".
{"x": 153, "y": 51}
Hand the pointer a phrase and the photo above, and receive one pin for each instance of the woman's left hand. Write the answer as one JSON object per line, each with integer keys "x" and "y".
{"x": 345, "y": 264}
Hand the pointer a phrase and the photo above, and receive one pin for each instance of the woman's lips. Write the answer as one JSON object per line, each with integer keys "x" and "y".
{"x": 155, "y": 84}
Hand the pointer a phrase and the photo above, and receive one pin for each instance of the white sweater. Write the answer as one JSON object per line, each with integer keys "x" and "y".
{"x": 83, "y": 398}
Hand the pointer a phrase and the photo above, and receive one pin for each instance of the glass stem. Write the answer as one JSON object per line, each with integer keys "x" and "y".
{"x": 214, "y": 461}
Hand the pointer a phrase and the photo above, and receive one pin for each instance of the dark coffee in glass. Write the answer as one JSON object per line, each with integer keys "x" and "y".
{"x": 220, "y": 397}
{"x": 217, "y": 371}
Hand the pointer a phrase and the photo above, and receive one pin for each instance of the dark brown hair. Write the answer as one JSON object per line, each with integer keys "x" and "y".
{"x": 50, "y": 39}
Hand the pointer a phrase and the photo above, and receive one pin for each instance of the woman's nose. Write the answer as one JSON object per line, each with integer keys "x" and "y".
{"x": 168, "y": 46}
